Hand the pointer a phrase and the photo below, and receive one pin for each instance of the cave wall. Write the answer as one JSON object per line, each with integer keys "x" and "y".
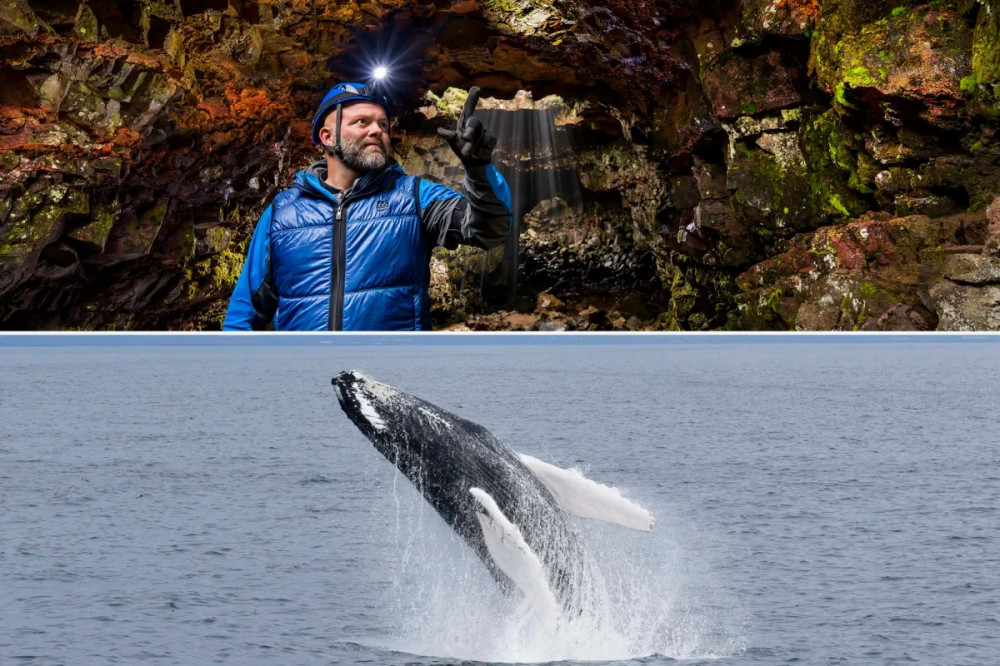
{"x": 139, "y": 139}
{"x": 739, "y": 164}
{"x": 861, "y": 162}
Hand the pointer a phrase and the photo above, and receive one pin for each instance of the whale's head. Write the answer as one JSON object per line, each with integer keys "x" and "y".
{"x": 368, "y": 403}
{"x": 412, "y": 433}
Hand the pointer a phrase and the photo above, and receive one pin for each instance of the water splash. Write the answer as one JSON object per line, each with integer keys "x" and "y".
{"x": 657, "y": 597}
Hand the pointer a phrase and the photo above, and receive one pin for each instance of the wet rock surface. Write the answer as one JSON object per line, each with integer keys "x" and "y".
{"x": 743, "y": 164}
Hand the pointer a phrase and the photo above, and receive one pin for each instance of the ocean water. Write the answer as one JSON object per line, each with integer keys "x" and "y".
{"x": 819, "y": 503}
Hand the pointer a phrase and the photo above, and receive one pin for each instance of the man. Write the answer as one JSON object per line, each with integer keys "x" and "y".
{"x": 347, "y": 247}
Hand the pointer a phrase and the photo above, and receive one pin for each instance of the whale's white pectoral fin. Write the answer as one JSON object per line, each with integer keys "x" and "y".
{"x": 578, "y": 495}
{"x": 514, "y": 557}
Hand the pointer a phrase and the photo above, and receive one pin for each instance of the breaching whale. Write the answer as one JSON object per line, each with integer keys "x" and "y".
{"x": 509, "y": 508}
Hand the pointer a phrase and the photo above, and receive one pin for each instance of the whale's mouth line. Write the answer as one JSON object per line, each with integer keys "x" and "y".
{"x": 361, "y": 398}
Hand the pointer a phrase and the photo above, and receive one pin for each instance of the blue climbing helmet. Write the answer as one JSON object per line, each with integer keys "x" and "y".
{"x": 341, "y": 94}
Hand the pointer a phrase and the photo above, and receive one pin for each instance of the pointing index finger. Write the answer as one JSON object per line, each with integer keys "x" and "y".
{"x": 470, "y": 105}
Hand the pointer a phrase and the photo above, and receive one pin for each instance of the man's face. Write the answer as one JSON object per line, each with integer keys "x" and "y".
{"x": 364, "y": 135}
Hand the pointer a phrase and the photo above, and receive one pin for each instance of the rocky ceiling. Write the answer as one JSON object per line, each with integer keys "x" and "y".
{"x": 821, "y": 164}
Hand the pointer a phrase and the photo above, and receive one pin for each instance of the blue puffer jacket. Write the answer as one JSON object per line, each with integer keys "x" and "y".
{"x": 362, "y": 264}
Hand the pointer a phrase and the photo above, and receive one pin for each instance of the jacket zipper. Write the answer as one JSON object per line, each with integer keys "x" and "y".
{"x": 336, "y": 322}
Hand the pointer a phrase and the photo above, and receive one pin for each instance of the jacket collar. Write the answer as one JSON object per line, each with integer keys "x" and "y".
{"x": 312, "y": 180}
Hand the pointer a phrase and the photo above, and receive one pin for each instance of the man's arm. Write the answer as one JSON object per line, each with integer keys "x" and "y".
{"x": 254, "y": 300}
{"x": 482, "y": 217}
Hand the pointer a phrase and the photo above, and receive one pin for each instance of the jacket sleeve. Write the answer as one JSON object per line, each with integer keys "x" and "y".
{"x": 254, "y": 300}
{"x": 480, "y": 216}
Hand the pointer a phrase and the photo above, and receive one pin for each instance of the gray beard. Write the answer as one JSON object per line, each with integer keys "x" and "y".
{"x": 358, "y": 159}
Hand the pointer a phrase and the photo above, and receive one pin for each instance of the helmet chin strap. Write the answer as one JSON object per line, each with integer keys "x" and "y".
{"x": 335, "y": 148}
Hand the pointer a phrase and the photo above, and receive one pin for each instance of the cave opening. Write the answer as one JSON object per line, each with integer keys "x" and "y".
{"x": 536, "y": 157}
{"x": 534, "y": 153}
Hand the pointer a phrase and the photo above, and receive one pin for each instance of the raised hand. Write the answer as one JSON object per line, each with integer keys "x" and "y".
{"x": 472, "y": 142}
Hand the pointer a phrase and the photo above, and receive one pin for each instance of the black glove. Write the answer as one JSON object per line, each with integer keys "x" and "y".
{"x": 472, "y": 142}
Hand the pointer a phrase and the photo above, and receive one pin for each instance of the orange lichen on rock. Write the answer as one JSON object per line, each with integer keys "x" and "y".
{"x": 115, "y": 50}
{"x": 14, "y": 118}
{"x": 15, "y": 141}
{"x": 238, "y": 106}
{"x": 126, "y": 138}
{"x": 256, "y": 103}
{"x": 804, "y": 9}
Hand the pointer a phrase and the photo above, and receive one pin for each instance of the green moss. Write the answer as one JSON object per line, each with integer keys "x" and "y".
{"x": 838, "y": 205}
{"x": 102, "y": 220}
{"x": 834, "y": 166}
{"x": 839, "y": 94}
{"x": 864, "y": 50}
{"x": 968, "y": 84}
{"x": 867, "y": 289}
{"x": 500, "y": 5}
{"x": 853, "y": 78}
{"x": 855, "y": 309}
{"x": 8, "y": 160}
{"x": 763, "y": 188}
{"x": 226, "y": 268}
{"x": 840, "y": 153}
{"x": 217, "y": 237}
{"x": 450, "y": 103}
{"x": 774, "y": 300}
{"x": 724, "y": 58}
{"x": 993, "y": 111}
{"x": 153, "y": 217}
{"x": 682, "y": 296}
{"x": 858, "y": 76}
{"x": 855, "y": 183}
{"x": 774, "y": 198}
{"x": 86, "y": 27}
{"x": 986, "y": 45}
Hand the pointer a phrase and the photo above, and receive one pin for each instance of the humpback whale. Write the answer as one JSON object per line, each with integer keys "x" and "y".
{"x": 509, "y": 508}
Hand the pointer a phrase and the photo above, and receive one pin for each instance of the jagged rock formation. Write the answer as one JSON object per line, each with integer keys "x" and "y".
{"x": 818, "y": 164}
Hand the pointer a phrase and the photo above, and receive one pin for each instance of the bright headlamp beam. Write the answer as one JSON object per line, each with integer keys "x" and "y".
{"x": 380, "y": 72}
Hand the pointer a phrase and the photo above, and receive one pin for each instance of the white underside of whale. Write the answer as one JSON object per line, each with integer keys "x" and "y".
{"x": 576, "y": 495}
{"x": 512, "y": 555}
{"x": 579, "y": 496}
